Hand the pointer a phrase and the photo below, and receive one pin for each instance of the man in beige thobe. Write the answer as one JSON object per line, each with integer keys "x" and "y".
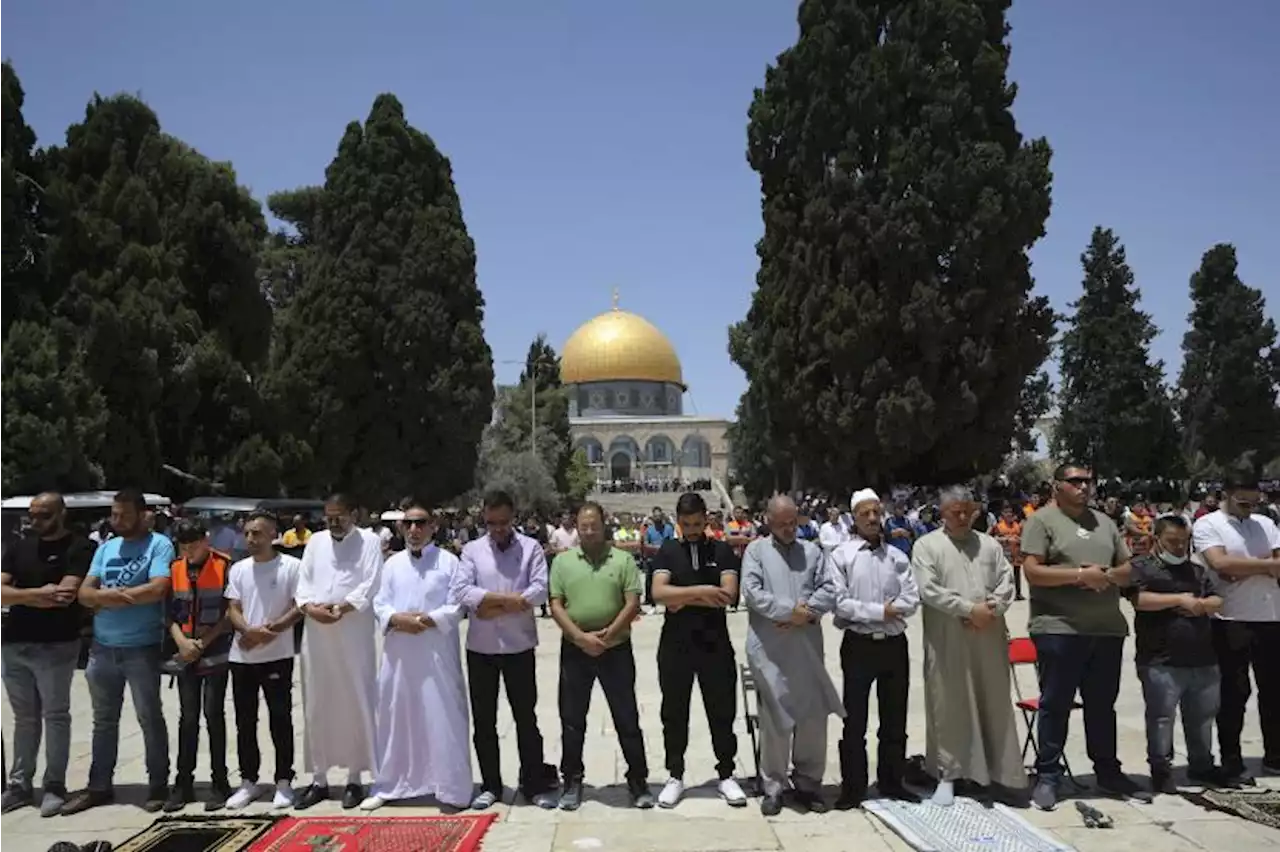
{"x": 966, "y": 585}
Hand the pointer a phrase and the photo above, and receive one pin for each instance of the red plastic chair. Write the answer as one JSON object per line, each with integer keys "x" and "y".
{"x": 1022, "y": 652}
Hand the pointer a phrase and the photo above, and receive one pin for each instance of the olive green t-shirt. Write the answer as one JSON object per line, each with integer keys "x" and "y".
{"x": 593, "y": 595}
{"x": 1067, "y": 543}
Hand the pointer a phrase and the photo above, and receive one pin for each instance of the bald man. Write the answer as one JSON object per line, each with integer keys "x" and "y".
{"x": 786, "y": 590}
{"x": 39, "y": 579}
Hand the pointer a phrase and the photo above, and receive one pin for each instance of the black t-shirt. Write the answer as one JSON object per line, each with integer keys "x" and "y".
{"x": 35, "y": 562}
{"x": 698, "y": 563}
{"x": 1170, "y": 637}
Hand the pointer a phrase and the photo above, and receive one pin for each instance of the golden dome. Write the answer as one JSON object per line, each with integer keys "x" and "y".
{"x": 619, "y": 346}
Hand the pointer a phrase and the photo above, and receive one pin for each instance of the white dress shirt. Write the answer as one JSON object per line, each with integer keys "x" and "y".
{"x": 865, "y": 578}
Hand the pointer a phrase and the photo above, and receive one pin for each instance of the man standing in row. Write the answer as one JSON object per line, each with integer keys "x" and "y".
{"x": 127, "y": 585}
{"x": 1242, "y": 547}
{"x": 502, "y": 576}
{"x": 262, "y": 611}
{"x": 336, "y": 586}
{"x": 786, "y": 591}
{"x": 422, "y": 700}
{"x": 875, "y": 593}
{"x": 1074, "y": 559}
{"x": 41, "y": 577}
{"x": 595, "y": 595}
{"x": 201, "y": 635}
{"x": 966, "y": 585}
{"x": 695, "y": 579}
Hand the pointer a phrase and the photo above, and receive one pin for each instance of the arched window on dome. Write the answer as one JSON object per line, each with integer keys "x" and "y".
{"x": 660, "y": 449}
{"x": 696, "y": 452}
{"x": 593, "y": 449}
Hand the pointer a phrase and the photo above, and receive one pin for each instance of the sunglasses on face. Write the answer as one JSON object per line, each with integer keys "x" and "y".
{"x": 1079, "y": 481}
{"x": 416, "y": 522}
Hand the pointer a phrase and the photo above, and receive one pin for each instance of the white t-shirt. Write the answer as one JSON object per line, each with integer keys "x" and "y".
{"x": 265, "y": 591}
{"x": 563, "y": 539}
{"x": 1252, "y": 598}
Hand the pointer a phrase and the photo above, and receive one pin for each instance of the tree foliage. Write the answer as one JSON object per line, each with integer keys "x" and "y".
{"x": 1115, "y": 412}
{"x": 1231, "y": 368}
{"x": 893, "y": 331}
{"x": 21, "y": 175}
{"x": 380, "y": 360}
{"x": 154, "y": 263}
{"x": 507, "y": 458}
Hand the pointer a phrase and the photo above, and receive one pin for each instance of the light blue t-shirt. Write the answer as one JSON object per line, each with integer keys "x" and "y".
{"x": 124, "y": 563}
{"x": 656, "y": 535}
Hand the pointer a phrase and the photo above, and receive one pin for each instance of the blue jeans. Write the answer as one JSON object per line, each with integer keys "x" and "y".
{"x": 37, "y": 678}
{"x": 110, "y": 669}
{"x": 1091, "y": 666}
{"x": 1195, "y": 690}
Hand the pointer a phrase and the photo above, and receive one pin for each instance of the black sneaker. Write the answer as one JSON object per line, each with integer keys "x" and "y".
{"x": 1162, "y": 782}
{"x": 1209, "y": 777}
{"x": 641, "y": 796}
{"x": 157, "y": 798}
{"x": 571, "y": 798}
{"x": 849, "y": 798}
{"x": 179, "y": 797}
{"x": 1123, "y": 786}
{"x": 219, "y": 792}
{"x": 810, "y": 801}
{"x": 16, "y": 797}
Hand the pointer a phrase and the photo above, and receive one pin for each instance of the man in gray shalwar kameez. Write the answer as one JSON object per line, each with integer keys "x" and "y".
{"x": 966, "y": 586}
{"x": 786, "y": 590}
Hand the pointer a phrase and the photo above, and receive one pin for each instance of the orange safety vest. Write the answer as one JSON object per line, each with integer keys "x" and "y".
{"x": 198, "y": 610}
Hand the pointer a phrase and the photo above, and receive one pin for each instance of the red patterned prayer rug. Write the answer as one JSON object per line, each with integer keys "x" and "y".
{"x": 459, "y": 833}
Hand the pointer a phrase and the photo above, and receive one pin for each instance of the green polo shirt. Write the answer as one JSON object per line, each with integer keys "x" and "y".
{"x": 593, "y": 594}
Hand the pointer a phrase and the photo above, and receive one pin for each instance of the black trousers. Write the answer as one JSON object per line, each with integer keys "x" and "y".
{"x": 616, "y": 671}
{"x": 517, "y": 672}
{"x": 711, "y": 661}
{"x": 1240, "y": 646}
{"x": 197, "y": 694}
{"x": 886, "y": 664}
{"x": 275, "y": 681}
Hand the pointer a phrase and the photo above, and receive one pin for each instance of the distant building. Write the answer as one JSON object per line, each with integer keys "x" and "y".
{"x": 626, "y": 404}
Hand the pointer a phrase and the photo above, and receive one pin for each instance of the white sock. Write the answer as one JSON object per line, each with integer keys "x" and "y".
{"x": 320, "y": 779}
{"x": 945, "y": 794}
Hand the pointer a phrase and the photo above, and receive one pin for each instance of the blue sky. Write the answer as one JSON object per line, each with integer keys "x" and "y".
{"x": 599, "y": 145}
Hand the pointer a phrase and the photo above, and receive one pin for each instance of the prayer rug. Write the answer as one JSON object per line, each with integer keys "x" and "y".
{"x": 966, "y": 826}
{"x": 460, "y": 833}
{"x": 196, "y": 834}
{"x": 1260, "y": 806}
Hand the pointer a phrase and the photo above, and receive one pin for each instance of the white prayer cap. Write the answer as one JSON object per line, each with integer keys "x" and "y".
{"x": 863, "y": 496}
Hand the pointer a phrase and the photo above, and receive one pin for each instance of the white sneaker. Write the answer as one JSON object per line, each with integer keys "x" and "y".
{"x": 372, "y": 803}
{"x": 732, "y": 793}
{"x": 284, "y": 798}
{"x": 672, "y": 793}
{"x": 484, "y": 801}
{"x": 245, "y": 794}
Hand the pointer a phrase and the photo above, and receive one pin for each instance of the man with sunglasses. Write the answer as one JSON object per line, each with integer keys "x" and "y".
{"x": 40, "y": 577}
{"x": 1075, "y": 561}
{"x": 1242, "y": 549}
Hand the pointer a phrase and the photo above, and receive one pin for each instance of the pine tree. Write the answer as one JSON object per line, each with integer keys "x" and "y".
{"x": 380, "y": 359}
{"x": 1230, "y": 369}
{"x": 1115, "y": 413}
{"x": 893, "y": 328}
{"x": 153, "y": 259}
{"x": 21, "y": 177}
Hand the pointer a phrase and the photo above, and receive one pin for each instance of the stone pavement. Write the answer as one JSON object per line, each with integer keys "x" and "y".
{"x": 702, "y": 822}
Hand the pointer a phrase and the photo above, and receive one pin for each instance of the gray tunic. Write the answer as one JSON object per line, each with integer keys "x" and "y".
{"x": 791, "y": 676}
{"x": 969, "y": 727}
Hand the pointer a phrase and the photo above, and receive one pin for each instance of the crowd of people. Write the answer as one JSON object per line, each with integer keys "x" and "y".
{"x": 1203, "y": 585}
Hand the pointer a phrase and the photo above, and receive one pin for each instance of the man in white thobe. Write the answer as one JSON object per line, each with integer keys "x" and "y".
{"x": 422, "y": 697}
{"x": 966, "y": 586}
{"x": 786, "y": 589}
{"x": 337, "y": 583}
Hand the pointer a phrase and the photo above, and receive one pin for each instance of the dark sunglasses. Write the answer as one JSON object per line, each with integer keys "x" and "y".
{"x": 417, "y": 522}
{"x": 1079, "y": 481}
